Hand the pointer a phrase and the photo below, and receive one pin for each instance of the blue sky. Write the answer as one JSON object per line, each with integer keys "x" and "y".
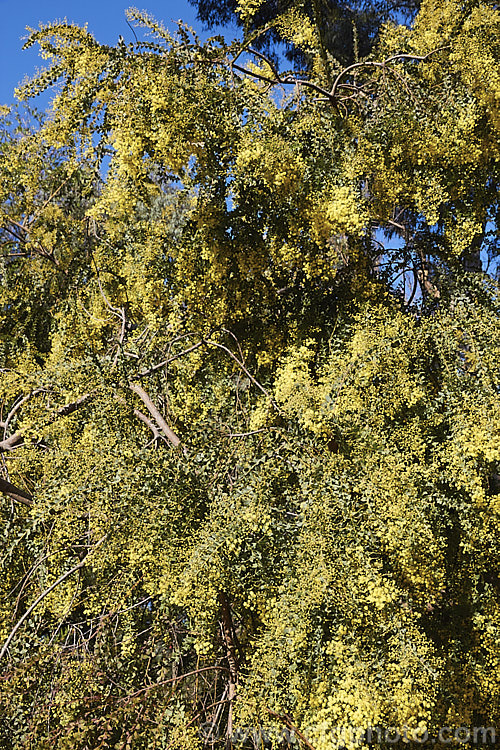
{"x": 105, "y": 19}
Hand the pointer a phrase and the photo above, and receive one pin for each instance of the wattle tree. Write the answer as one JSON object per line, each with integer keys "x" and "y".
{"x": 249, "y": 360}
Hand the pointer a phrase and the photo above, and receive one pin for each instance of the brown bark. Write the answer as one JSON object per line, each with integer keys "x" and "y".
{"x": 15, "y": 493}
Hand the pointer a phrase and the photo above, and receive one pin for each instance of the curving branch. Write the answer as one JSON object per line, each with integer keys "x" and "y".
{"x": 17, "y": 405}
{"x": 383, "y": 64}
{"x": 332, "y": 95}
{"x": 42, "y": 597}
{"x": 242, "y": 366}
{"x": 167, "y": 361}
{"x": 286, "y": 81}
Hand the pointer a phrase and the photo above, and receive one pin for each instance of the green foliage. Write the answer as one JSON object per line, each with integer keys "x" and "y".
{"x": 348, "y": 30}
{"x": 250, "y": 392}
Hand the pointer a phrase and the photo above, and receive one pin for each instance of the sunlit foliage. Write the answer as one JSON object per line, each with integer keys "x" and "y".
{"x": 250, "y": 346}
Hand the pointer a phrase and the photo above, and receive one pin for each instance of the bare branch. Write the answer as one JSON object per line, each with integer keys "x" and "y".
{"x": 148, "y": 423}
{"x": 64, "y": 411}
{"x": 51, "y": 196}
{"x": 415, "y": 287}
{"x": 332, "y": 95}
{"x": 211, "y": 668}
{"x": 15, "y": 493}
{"x": 288, "y": 723}
{"x": 232, "y": 659}
{"x": 11, "y": 442}
{"x": 397, "y": 225}
{"x": 266, "y": 60}
{"x": 287, "y": 81}
{"x": 145, "y": 398}
{"x": 24, "y": 240}
{"x": 246, "y": 434}
{"x": 18, "y": 405}
{"x": 253, "y": 37}
{"x": 373, "y": 64}
{"x": 151, "y": 425}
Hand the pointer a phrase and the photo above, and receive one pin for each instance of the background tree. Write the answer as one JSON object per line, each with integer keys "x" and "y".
{"x": 348, "y": 30}
{"x": 250, "y": 452}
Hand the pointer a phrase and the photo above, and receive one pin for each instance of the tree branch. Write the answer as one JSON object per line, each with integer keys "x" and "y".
{"x": 167, "y": 361}
{"x": 287, "y": 81}
{"x": 232, "y": 660}
{"x": 15, "y": 493}
{"x": 373, "y": 64}
{"x": 242, "y": 366}
{"x": 42, "y": 597}
{"x": 212, "y": 668}
{"x": 145, "y": 398}
{"x": 17, "y": 406}
{"x": 288, "y": 723}
{"x": 9, "y": 443}
{"x": 16, "y": 439}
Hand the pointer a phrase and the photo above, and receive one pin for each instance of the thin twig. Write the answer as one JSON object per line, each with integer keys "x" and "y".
{"x": 246, "y": 434}
{"x": 15, "y": 439}
{"x": 166, "y": 362}
{"x": 288, "y": 723}
{"x": 18, "y": 405}
{"x": 173, "y": 680}
{"x": 248, "y": 374}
